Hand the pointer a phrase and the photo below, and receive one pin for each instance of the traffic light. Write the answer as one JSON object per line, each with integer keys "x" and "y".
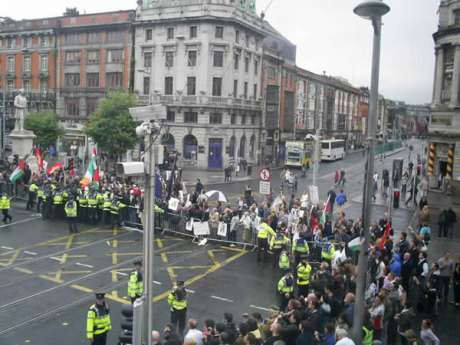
{"x": 131, "y": 323}
{"x": 16, "y": 159}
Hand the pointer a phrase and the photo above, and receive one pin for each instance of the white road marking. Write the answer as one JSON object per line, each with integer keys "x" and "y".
{"x": 157, "y": 282}
{"x": 55, "y": 259}
{"x": 19, "y": 222}
{"x": 84, "y": 265}
{"x": 222, "y": 299}
{"x": 108, "y": 243}
{"x": 7, "y": 248}
{"x": 30, "y": 253}
{"x": 122, "y": 273}
{"x": 261, "y": 308}
{"x": 190, "y": 291}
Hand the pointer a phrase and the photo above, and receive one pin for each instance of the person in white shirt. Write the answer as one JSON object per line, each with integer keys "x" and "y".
{"x": 193, "y": 333}
{"x": 341, "y": 336}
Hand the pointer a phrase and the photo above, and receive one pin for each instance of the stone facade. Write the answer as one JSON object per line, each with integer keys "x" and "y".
{"x": 202, "y": 60}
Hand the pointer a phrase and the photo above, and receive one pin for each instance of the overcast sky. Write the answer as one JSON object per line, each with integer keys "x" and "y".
{"x": 329, "y": 37}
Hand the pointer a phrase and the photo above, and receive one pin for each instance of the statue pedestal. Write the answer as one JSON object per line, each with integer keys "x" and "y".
{"x": 22, "y": 142}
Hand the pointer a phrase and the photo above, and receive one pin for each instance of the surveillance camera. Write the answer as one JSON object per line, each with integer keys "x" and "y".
{"x": 142, "y": 129}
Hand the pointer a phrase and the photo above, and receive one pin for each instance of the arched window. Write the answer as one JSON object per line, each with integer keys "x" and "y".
{"x": 190, "y": 147}
{"x": 231, "y": 147}
{"x": 242, "y": 150}
{"x": 252, "y": 146}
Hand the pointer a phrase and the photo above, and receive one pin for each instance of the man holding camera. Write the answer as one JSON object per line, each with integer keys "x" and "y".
{"x": 177, "y": 300}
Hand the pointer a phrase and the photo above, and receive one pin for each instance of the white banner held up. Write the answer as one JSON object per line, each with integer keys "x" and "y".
{"x": 173, "y": 204}
{"x": 189, "y": 225}
{"x": 200, "y": 228}
{"x": 314, "y": 195}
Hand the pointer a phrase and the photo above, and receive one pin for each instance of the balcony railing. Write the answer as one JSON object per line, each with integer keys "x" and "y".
{"x": 201, "y": 100}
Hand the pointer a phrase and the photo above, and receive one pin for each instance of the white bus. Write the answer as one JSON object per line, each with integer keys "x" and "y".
{"x": 332, "y": 149}
{"x": 297, "y": 151}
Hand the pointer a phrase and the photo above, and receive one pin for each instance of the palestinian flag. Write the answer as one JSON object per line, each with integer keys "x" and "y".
{"x": 18, "y": 173}
{"x": 38, "y": 155}
{"x": 383, "y": 240}
{"x": 54, "y": 168}
{"x": 324, "y": 213}
{"x": 92, "y": 173}
{"x": 355, "y": 244}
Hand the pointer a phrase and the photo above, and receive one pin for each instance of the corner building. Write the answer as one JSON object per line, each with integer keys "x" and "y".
{"x": 202, "y": 60}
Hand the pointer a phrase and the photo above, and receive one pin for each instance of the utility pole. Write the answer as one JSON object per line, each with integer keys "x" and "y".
{"x": 317, "y": 158}
{"x": 373, "y": 10}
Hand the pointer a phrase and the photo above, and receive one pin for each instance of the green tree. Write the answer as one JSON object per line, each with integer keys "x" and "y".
{"x": 45, "y": 126}
{"x": 111, "y": 126}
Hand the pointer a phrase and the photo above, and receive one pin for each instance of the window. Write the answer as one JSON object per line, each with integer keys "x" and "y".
{"x": 236, "y": 61}
{"x": 44, "y": 41}
{"x": 26, "y": 85}
{"x": 235, "y": 88}
{"x": 219, "y": 32}
{"x": 148, "y": 34}
{"x": 218, "y": 58}
{"x": 190, "y": 145}
{"x": 217, "y": 86}
{"x": 26, "y": 67}
{"x": 27, "y": 42}
{"x": 243, "y": 119}
{"x": 146, "y": 85}
{"x": 253, "y": 120}
{"x": 72, "y": 58}
{"x": 245, "y": 89}
{"x": 92, "y": 79}
{"x": 233, "y": 120}
{"x": 72, "y": 79}
{"x": 114, "y": 80}
{"x": 231, "y": 147}
{"x": 92, "y": 57}
{"x": 43, "y": 63}
{"x": 255, "y": 91}
{"x": 115, "y": 36}
{"x": 457, "y": 16}
{"x": 237, "y": 36}
{"x": 191, "y": 58}
{"x": 170, "y": 33}
{"x": 191, "y": 86}
{"x": 246, "y": 64}
{"x": 257, "y": 44}
{"x": 170, "y": 116}
{"x": 11, "y": 64}
{"x": 115, "y": 56}
{"x": 215, "y": 118}
{"x": 271, "y": 72}
{"x": 43, "y": 86}
{"x": 11, "y": 43}
{"x": 147, "y": 59}
{"x": 94, "y": 37}
{"x": 256, "y": 66}
{"x": 193, "y": 32}
{"x": 168, "y": 85}
{"x": 71, "y": 38}
{"x": 91, "y": 105}
{"x": 191, "y": 117}
{"x": 248, "y": 38}
{"x": 169, "y": 59}
{"x": 10, "y": 85}
{"x": 72, "y": 106}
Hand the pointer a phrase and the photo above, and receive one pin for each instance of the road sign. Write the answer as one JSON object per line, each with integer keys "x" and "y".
{"x": 265, "y": 175}
{"x": 264, "y": 187}
{"x": 314, "y": 195}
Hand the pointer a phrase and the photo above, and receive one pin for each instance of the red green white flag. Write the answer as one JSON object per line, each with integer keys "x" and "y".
{"x": 92, "y": 173}
{"x": 18, "y": 173}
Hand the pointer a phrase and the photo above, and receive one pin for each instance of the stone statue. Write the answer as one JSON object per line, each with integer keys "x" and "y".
{"x": 20, "y": 105}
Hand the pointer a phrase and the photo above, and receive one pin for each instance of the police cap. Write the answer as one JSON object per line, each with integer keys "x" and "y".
{"x": 100, "y": 295}
{"x": 180, "y": 283}
{"x": 138, "y": 263}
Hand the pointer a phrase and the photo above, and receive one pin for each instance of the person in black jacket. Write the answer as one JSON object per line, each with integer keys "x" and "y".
{"x": 170, "y": 337}
{"x": 306, "y": 337}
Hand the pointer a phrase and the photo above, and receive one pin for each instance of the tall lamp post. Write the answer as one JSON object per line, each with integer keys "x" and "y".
{"x": 372, "y": 10}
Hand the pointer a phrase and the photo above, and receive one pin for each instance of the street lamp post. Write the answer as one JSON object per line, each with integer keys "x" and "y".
{"x": 316, "y": 155}
{"x": 373, "y": 10}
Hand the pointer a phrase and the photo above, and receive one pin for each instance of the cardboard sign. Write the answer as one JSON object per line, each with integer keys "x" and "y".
{"x": 314, "y": 195}
{"x": 189, "y": 225}
{"x": 222, "y": 229}
{"x": 173, "y": 204}
{"x": 201, "y": 228}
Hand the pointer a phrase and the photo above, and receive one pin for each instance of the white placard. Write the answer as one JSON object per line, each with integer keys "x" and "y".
{"x": 222, "y": 229}
{"x": 189, "y": 225}
{"x": 173, "y": 204}
{"x": 264, "y": 187}
{"x": 314, "y": 195}
{"x": 200, "y": 228}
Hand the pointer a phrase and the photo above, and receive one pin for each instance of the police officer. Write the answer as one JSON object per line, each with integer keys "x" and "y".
{"x": 135, "y": 283}
{"x": 100, "y": 206}
{"x": 115, "y": 214}
{"x": 327, "y": 252}
{"x": 83, "y": 204}
{"x": 33, "y": 188}
{"x": 107, "y": 208}
{"x": 177, "y": 300}
{"x": 300, "y": 249}
{"x": 58, "y": 202}
{"x": 41, "y": 198}
{"x": 278, "y": 243}
{"x": 92, "y": 208}
{"x": 263, "y": 232}
{"x": 5, "y": 205}
{"x": 71, "y": 214}
{"x": 98, "y": 321}
{"x": 284, "y": 263}
{"x": 303, "y": 277}
{"x": 285, "y": 289}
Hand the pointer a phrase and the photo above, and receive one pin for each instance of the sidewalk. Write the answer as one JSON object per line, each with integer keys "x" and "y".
{"x": 212, "y": 178}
